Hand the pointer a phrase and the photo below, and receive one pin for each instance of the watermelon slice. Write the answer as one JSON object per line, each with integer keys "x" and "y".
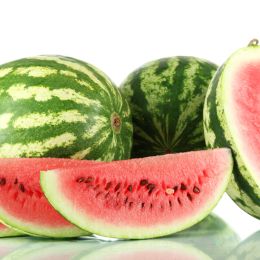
{"x": 8, "y": 232}
{"x": 23, "y": 205}
{"x": 140, "y": 198}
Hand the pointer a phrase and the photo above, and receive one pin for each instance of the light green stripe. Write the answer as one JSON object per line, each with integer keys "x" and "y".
{"x": 68, "y": 73}
{"x": 81, "y": 154}
{"x": 36, "y": 148}
{"x": 5, "y": 71}
{"x": 35, "y": 71}
{"x": 5, "y": 119}
{"x": 100, "y": 122}
{"x": 41, "y": 119}
{"x": 43, "y": 94}
{"x": 75, "y": 66}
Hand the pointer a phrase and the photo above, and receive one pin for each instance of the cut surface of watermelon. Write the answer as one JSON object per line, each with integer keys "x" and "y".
{"x": 140, "y": 198}
{"x": 23, "y": 205}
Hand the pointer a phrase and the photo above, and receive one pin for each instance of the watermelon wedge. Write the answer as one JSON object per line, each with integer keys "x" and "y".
{"x": 231, "y": 119}
{"x": 23, "y": 205}
{"x": 140, "y": 198}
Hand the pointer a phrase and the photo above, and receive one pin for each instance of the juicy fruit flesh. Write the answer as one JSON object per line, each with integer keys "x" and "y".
{"x": 153, "y": 192}
{"x": 245, "y": 103}
{"x": 21, "y": 196}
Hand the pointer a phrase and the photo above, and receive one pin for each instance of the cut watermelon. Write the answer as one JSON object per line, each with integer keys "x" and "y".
{"x": 23, "y": 205}
{"x": 140, "y": 198}
{"x": 231, "y": 119}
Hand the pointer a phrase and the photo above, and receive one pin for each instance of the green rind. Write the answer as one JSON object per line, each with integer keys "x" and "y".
{"x": 50, "y": 185}
{"x": 85, "y": 90}
{"x": 242, "y": 188}
{"x": 9, "y": 232}
{"x": 166, "y": 97}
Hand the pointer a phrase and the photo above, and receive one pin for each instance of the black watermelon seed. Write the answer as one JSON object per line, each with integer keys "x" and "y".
{"x": 2, "y": 181}
{"x": 89, "y": 179}
{"x": 108, "y": 185}
{"x": 183, "y": 187}
{"x": 80, "y": 179}
{"x": 143, "y": 182}
{"x": 170, "y": 203}
{"x": 15, "y": 181}
{"x": 179, "y": 201}
{"x": 21, "y": 187}
{"x": 117, "y": 187}
{"x": 196, "y": 189}
{"x": 151, "y": 205}
{"x": 150, "y": 191}
{"x": 150, "y": 186}
{"x": 189, "y": 196}
{"x": 130, "y": 188}
{"x": 99, "y": 193}
{"x": 175, "y": 188}
{"x": 143, "y": 205}
{"x": 126, "y": 199}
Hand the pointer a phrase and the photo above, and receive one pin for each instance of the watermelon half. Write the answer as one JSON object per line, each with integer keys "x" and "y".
{"x": 231, "y": 119}
{"x": 140, "y": 198}
{"x": 23, "y": 205}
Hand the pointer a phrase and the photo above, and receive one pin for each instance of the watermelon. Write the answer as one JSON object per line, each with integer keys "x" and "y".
{"x": 166, "y": 97}
{"x": 140, "y": 198}
{"x": 231, "y": 120}
{"x": 8, "y": 232}
{"x": 23, "y": 205}
{"x": 55, "y": 106}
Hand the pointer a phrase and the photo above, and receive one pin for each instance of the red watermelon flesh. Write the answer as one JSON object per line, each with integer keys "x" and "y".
{"x": 22, "y": 202}
{"x": 244, "y": 106}
{"x": 140, "y": 198}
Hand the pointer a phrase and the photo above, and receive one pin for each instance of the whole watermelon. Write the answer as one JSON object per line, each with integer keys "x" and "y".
{"x": 166, "y": 97}
{"x": 55, "y": 106}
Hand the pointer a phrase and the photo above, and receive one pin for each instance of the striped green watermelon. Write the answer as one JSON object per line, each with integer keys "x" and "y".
{"x": 55, "y": 106}
{"x": 231, "y": 119}
{"x": 166, "y": 98}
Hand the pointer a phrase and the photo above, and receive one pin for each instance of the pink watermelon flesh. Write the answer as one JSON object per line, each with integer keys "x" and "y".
{"x": 140, "y": 198}
{"x": 245, "y": 103}
{"x": 22, "y": 202}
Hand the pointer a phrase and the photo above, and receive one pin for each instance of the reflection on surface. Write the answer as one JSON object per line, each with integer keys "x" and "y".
{"x": 210, "y": 239}
{"x": 212, "y": 235}
{"x": 248, "y": 249}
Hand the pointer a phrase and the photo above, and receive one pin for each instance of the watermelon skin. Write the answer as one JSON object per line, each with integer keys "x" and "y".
{"x": 244, "y": 187}
{"x": 166, "y": 97}
{"x": 140, "y": 198}
{"x": 55, "y": 106}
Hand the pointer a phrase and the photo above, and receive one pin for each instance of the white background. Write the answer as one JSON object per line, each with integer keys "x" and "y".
{"x": 120, "y": 35}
